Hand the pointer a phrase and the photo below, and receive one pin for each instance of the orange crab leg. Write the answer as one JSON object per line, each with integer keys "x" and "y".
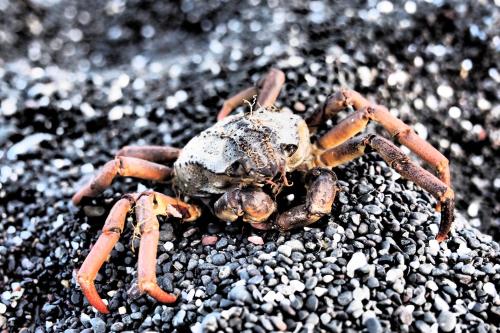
{"x": 397, "y": 160}
{"x": 369, "y": 111}
{"x": 267, "y": 91}
{"x": 234, "y": 101}
{"x": 125, "y": 167}
{"x": 156, "y": 154}
{"x": 150, "y": 234}
{"x": 148, "y": 206}
{"x": 100, "y": 252}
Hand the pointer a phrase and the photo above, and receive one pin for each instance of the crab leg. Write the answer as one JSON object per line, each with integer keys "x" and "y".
{"x": 253, "y": 205}
{"x": 267, "y": 90}
{"x": 156, "y": 154}
{"x": 235, "y": 101}
{"x": 369, "y": 111}
{"x": 125, "y": 167}
{"x": 148, "y": 206}
{"x": 396, "y": 159}
{"x": 321, "y": 193}
{"x": 100, "y": 252}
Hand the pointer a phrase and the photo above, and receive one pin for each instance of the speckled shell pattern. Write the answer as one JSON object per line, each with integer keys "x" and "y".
{"x": 258, "y": 136}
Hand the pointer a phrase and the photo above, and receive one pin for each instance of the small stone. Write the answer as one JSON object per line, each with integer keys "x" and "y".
{"x": 285, "y": 250}
{"x": 373, "y": 283}
{"x": 117, "y": 327}
{"x": 98, "y": 325}
{"x": 3, "y": 308}
{"x": 257, "y": 240}
{"x": 440, "y": 304}
{"x": 320, "y": 291}
{"x": 299, "y": 107}
{"x": 422, "y": 326}
{"x": 224, "y": 272}
{"x": 297, "y": 285}
{"x": 488, "y": 288}
{"x": 425, "y": 269}
{"x": 373, "y": 325}
{"x": 240, "y": 293}
{"x": 447, "y": 321}
{"x": 468, "y": 269}
{"x": 354, "y": 307}
{"x": 219, "y": 259}
{"x": 178, "y": 319}
{"x": 209, "y": 240}
{"x": 357, "y": 261}
{"x": 345, "y": 298}
{"x": 295, "y": 245}
{"x": 406, "y": 314}
{"x": 373, "y": 209}
{"x": 311, "y": 282}
{"x": 394, "y": 274}
{"x": 431, "y": 285}
{"x": 222, "y": 243}
{"x": 312, "y": 303}
{"x": 168, "y": 246}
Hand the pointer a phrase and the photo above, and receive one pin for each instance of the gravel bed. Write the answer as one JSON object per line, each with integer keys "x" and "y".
{"x": 79, "y": 80}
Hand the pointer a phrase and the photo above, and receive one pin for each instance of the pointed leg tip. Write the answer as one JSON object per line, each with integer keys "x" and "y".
{"x": 102, "y": 308}
{"x": 76, "y": 199}
{"x": 441, "y": 238}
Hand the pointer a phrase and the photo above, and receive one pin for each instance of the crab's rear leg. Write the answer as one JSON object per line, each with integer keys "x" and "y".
{"x": 396, "y": 159}
{"x": 125, "y": 167}
{"x": 267, "y": 91}
{"x": 366, "y": 111}
{"x": 251, "y": 204}
{"x": 101, "y": 250}
{"x": 321, "y": 191}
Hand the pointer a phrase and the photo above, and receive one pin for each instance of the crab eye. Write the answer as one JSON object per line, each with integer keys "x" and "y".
{"x": 289, "y": 149}
{"x": 235, "y": 169}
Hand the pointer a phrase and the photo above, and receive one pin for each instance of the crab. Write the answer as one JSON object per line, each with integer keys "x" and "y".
{"x": 239, "y": 166}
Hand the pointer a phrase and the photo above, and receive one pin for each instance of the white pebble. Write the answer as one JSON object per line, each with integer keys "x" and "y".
{"x": 445, "y": 91}
{"x": 431, "y": 285}
{"x": 295, "y": 61}
{"x": 454, "y": 112}
{"x": 320, "y": 291}
{"x": 410, "y": 7}
{"x": 122, "y": 310}
{"x": 168, "y": 246}
{"x": 488, "y": 288}
{"x": 433, "y": 247}
{"x": 297, "y": 285}
{"x": 3, "y": 308}
{"x": 115, "y": 113}
{"x": 357, "y": 261}
{"x": 8, "y": 106}
{"x": 28, "y": 144}
{"x": 394, "y": 274}
{"x": 87, "y": 110}
{"x": 385, "y": 7}
{"x": 473, "y": 209}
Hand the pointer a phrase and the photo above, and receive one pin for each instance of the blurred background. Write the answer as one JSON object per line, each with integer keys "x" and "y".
{"x": 80, "y": 79}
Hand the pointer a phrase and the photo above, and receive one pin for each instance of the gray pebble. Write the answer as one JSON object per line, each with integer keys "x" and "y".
{"x": 447, "y": 321}
{"x": 98, "y": 325}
